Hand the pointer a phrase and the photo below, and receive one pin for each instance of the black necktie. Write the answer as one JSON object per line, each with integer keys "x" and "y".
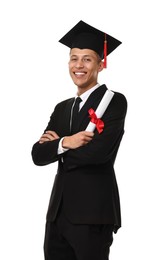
{"x": 74, "y": 113}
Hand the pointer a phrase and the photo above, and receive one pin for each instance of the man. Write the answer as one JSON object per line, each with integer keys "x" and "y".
{"x": 84, "y": 208}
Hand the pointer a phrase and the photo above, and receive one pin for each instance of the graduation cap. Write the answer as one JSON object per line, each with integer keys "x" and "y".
{"x": 84, "y": 36}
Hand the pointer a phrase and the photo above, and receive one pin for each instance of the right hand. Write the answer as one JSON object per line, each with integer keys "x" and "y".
{"x": 48, "y": 136}
{"x": 77, "y": 140}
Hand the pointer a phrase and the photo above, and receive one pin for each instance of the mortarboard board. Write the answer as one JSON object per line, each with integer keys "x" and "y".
{"x": 84, "y": 36}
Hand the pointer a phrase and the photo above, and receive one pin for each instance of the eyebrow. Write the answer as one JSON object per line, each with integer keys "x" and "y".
{"x": 86, "y": 55}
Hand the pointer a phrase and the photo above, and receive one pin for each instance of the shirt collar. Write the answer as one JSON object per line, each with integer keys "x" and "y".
{"x": 87, "y": 93}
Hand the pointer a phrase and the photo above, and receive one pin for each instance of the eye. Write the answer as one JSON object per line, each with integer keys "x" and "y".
{"x": 87, "y": 59}
{"x": 73, "y": 59}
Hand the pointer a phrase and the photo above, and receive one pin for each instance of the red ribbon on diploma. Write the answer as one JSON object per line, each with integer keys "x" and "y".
{"x": 97, "y": 121}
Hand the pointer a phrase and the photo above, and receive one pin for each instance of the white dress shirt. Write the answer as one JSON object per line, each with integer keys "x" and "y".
{"x": 84, "y": 98}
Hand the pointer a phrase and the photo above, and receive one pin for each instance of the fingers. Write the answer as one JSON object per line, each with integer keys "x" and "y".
{"x": 53, "y": 134}
{"x": 48, "y": 136}
{"x": 77, "y": 140}
{"x": 86, "y": 137}
{"x": 87, "y": 133}
{"x": 45, "y": 138}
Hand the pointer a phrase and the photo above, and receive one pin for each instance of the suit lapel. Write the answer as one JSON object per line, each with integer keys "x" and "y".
{"x": 92, "y": 102}
{"x": 67, "y": 116}
{"x": 83, "y": 116}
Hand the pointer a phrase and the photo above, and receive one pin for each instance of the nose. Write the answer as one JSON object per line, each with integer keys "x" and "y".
{"x": 79, "y": 64}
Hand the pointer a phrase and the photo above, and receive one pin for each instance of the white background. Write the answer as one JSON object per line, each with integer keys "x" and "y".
{"x": 34, "y": 77}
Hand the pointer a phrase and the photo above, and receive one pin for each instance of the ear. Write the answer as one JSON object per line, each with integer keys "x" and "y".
{"x": 101, "y": 66}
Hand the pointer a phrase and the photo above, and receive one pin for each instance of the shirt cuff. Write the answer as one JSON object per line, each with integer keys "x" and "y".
{"x": 60, "y": 148}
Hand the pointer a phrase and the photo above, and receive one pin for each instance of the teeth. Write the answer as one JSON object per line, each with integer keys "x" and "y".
{"x": 79, "y": 73}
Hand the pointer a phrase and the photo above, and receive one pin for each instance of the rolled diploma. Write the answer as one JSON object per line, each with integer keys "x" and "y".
{"x": 105, "y": 101}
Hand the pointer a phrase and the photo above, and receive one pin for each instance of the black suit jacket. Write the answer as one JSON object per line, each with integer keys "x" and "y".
{"x": 85, "y": 180}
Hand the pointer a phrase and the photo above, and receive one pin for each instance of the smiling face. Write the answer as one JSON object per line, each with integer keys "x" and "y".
{"x": 84, "y": 66}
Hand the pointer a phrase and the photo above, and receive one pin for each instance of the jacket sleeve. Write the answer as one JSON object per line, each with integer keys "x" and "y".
{"x": 46, "y": 153}
{"x": 103, "y": 146}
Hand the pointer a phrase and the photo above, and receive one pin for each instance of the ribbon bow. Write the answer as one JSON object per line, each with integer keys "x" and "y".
{"x": 97, "y": 121}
